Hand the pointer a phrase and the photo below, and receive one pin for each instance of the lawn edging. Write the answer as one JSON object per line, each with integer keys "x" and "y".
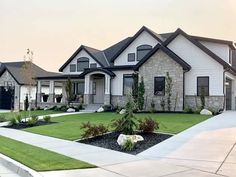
{"x": 17, "y": 167}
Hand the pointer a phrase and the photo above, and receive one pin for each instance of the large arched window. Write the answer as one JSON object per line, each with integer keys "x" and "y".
{"x": 142, "y": 50}
{"x": 82, "y": 63}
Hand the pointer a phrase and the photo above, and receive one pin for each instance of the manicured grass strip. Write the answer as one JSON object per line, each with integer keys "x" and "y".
{"x": 37, "y": 158}
{"x": 25, "y": 114}
{"x": 69, "y": 126}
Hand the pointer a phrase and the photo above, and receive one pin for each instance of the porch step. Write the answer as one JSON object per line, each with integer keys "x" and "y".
{"x": 91, "y": 107}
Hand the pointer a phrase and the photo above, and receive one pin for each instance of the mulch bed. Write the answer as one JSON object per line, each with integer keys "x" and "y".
{"x": 109, "y": 141}
{"x": 23, "y": 125}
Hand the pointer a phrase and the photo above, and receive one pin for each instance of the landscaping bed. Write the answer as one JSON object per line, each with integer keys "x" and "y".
{"x": 109, "y": 141}
{"x": 23, "y": 125}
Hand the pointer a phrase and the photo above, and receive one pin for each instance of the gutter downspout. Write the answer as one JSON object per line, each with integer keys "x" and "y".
{"x": 227, "y": 69}
{"x": 184, "y": 88}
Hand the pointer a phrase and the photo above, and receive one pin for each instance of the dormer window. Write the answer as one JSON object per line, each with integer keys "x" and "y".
{"x": 142, "y": 50}
{"x": 82, "y": 63}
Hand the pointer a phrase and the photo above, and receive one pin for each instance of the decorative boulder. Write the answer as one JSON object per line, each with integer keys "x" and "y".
{"x": 123, "y": 138}
{"x": 122, "y": 111}
{"x": 70, "y": 110}
{"x": 46, "y": 108}
{"x": 205, "y": 112}
{"x": 101, "y": 109}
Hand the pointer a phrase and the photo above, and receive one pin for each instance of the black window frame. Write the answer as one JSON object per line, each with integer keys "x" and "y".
{"x": 127, "y": 76}
{"x": 155, "y": 86}
{"x": 129, "y": 57}
{"x": 144, "y": 47}
{"x": 82, "y": 60}
{"x": 208, "y": 85}
{"x": 74, "y": 65}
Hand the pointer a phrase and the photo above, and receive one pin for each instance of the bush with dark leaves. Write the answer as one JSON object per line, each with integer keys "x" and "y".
{"x": 148, "y": 125}
{"x": 91, "y": 130}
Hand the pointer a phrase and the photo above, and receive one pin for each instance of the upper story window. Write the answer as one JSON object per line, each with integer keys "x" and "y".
{"x": 203, "y": 86}
{"x": 142, "y": 50}
{"x": 82, "y": 63}
{"x": 93, "y": 65}
{"x": 128, "y": 82}
{"x": 159, "y": 86}
{"x": 72, "y": 67}
{"x": 131, "y": 57}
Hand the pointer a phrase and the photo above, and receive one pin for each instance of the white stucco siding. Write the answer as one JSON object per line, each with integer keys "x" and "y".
{"x": 82, "y": 53}
{"x": 221, "y": 50}
{"x": 143, "y": 38}
{"x": 202, "y": 65}
{"x": 117, "y": 82}
{"x": 57, "y": 90}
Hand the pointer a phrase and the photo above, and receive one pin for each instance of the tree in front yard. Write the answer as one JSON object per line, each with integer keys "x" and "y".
{"x": 141, "y": 92}
{"x": 169, "y": 86}
{"x": 69, "y": 93}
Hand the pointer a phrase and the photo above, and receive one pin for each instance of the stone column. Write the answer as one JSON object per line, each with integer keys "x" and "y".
{"x": 64, "y": 96}
{"x": 87, "y": 90}
{"x": 107, "y": 96}
{"x": 39, "y": 89}
{"x": 51, "y": 91}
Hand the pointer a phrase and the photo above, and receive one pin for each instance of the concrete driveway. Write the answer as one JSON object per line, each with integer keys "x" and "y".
{"x": 208, "y": 146}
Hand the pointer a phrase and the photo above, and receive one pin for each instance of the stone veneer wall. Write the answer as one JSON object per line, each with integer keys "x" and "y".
{"x": 158, "y": 65}
{"x": 118, "y": 100}
{"x": 6, "y": 77}
{"x": 211, "y": 102}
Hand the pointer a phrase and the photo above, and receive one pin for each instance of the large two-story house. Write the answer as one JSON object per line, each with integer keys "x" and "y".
{"x": 194, "y": 63}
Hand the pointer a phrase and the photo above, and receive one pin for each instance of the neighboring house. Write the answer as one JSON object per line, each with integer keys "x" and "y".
{"x": 194, "y": 64}
{"x": 14, "y": 86}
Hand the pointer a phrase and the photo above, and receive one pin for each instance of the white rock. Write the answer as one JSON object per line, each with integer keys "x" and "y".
{"x": 122, "y": 111}
{"x": 123, "y": 138}
{"x": 70, "y": 110}
{"x": 46, "y": 108}
{"x": 205, "y": 112}
{"x": 101, "y": 109}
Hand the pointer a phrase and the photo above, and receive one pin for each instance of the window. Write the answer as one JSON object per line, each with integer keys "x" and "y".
{"x": 94, "y": 88}
{"x": 203, "y": 85}
{"x": 142, "y": 51}
{"x": 131, "y": 57}
{"x": 78, "y": 88}
{"x": 93, "y": 65}
{"x": 128, "y": 82}
{"x": 72, "y": 67}
{"x": 82, "y": 63}
{"x": 159, "y": 86}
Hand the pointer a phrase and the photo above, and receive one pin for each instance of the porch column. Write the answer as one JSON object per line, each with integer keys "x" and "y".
{"x": 87, "y": 90}
{"x": 51, "y": 92}
{"x": 107, "y": 96}
{"x": 39, "y": 90}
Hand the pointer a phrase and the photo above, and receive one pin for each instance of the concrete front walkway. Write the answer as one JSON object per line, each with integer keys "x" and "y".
{"x": 208, "y": 146}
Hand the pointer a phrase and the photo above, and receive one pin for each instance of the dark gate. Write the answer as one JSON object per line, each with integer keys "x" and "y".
{"x": 6, "y": 98}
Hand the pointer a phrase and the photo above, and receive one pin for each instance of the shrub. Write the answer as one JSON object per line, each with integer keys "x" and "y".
{"x": 63, "y": 108}
{"x": 93, "y": 129}
{"x": 197, "y": 111}
{"x": 188, "y": 110}
{"x": 26, "y": 103}
{"x": 129, "y": 145}
{"x": 163, "y": 103}
{"x": 13, "y": 121}
{"x": 148, "y": 125}
{"x": 47, "y": 119}
{"x": 128, "y": 122}
{"x": 107, "y": 108}
{"x": 2, "y": 118}
{"x": 152, "y": 110}
{"x": 202, "y": 97}
{"x": 32, "y": 121}
{"x": 18, "y": 117}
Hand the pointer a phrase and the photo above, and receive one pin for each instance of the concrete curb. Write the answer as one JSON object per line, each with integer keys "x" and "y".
{"x": 17, "y": 167}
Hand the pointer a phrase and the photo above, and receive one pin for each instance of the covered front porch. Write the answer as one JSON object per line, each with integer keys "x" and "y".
{"x": 90, "y": 87}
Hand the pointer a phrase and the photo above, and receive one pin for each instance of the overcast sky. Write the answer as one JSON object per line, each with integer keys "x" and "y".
{"x": 54, "y": 29}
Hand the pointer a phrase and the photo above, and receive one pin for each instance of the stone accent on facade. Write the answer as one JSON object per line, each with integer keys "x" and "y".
{"x": 158, "y": 65}
{"x": 211, "y": 102}
{"x": 107, "y": 99}
{"x": 6, "y": 77}
{"x": 87, "y": 99}
{"x": 117, "y": 100}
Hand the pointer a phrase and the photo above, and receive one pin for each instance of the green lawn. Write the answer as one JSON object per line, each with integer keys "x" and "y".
{"x": 69, "y": 126}
{"x": 37, "y": 158}
{"x": 24, "y": 114}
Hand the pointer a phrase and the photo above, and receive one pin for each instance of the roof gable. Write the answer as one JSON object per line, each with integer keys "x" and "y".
{"x": 154, "y": 35}
{"x": 171, "y": 54}
{"x": 199, "y": 45}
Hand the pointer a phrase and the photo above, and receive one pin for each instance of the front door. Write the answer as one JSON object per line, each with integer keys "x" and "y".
{"x": 228, "y": 94}
{"x": 98, "y": 90}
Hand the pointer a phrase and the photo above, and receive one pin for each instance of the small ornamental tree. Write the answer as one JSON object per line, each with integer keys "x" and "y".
{"x": 69, "y": 93}
{"x": 169, "y": 86}
{"x": 202, "y": 97}
{"x": 26, "y": 103}
{"x": 135, "y": 88}
{"x": 141, "y": 92}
